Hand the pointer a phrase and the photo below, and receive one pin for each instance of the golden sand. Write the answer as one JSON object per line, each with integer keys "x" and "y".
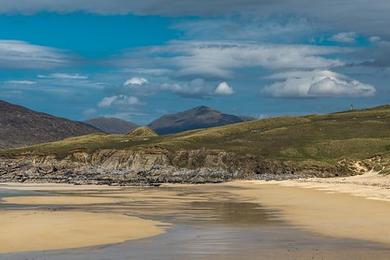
{"x": 46, "y": 230}
{"x": 57, "y": 200}
{"x": 332, "y": 214}
{"x": 53, "y": 187}
{"x": 338, "y": 207}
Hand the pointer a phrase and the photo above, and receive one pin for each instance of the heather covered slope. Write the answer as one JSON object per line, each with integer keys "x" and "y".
{"x": 20, "y": 126}
{"x": 313, "y": 138}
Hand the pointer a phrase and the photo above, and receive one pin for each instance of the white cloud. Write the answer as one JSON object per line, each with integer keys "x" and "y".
{"x": 21, "y": 82}
{"x": 219, "y": 59}
{"x": 135, "y": 82}
{"x": 224, "y": 89}
{"x": 364, "y": 16}
{"x": 246, "y": 28}
{"x": 119, "y": 100}
{"x": 375, "y": 39}
{"x": 63, "y": 76}
{"x": 344, "y": 37}
{"x": 19, "y": 54}
{"x": 197, "y": 88}
{"x": 317, "y": 83}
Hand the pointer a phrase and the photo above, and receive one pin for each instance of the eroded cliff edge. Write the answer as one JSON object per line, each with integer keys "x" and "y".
{"x": 155, "y": 166}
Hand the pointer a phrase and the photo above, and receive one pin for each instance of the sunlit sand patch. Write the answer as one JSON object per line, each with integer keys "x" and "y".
{"x": 58, "y": 200}
{"x": 47, "y": 230}
{"x": 53, "y": 187}
{"x": 337, "y": 214}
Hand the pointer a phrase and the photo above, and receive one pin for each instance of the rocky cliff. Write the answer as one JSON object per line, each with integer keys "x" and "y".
{"x": 155, "y": 166}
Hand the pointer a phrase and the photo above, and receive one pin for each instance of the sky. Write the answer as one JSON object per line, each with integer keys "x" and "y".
{"x": 138, "y": 60}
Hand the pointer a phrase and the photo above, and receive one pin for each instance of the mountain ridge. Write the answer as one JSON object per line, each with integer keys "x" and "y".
{"x": 21, "y": 126}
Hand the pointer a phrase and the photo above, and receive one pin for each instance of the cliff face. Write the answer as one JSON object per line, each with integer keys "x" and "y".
{"x": 154, "y": 166}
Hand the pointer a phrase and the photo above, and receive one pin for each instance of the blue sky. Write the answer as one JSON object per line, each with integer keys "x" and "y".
{"x": 137, "y": 61}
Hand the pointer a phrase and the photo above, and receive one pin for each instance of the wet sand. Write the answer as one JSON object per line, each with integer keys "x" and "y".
{"x": 219, "y": 221}
{"x": 47, "y": 230}
{"x": 329, "y": 213}
{"x": 58, "y": 200}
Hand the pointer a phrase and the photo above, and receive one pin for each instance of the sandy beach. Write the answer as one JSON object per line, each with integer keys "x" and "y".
{"x": 353, "y": 207}
{"x": 344, "y": 208}
{"x": 370, "y": 185}
{"x": 48, "y": 230}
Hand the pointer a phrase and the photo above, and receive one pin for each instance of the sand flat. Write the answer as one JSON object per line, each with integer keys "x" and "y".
{"x": 23, "y": 230}
{"x": 58, "y": 200}
{"x": 53, "y": 187}
{"x": 332, "y": 214}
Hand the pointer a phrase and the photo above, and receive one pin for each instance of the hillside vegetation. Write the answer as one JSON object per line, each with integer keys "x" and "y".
{"x": 20, "y": 126}
{"x": 356, "y": 134}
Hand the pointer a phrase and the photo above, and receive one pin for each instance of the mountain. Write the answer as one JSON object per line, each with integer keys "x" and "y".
{"x": 20, "y": 126}
{"x": 112, "y": 125}
{"x": 196, "y": 118}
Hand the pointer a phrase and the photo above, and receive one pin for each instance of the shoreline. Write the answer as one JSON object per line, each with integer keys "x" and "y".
{"x": 345, "y": 207}
{"x": 352, "y": 207}
{"x": 370, "y": 185}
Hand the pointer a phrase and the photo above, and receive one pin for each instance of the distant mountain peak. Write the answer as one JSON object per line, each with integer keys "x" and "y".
{"x": 112, "y": 125}
{"x": 202, "y": 108}
{"x": 194, "y": 118}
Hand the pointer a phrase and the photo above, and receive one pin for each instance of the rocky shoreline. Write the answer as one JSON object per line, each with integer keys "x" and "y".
{"x": 153, "y": 167}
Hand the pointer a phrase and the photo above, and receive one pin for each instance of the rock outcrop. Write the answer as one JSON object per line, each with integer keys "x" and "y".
{"x": 155, "y": 166}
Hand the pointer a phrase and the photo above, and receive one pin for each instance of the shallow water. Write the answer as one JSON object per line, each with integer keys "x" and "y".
{"x": 208, "y": 222}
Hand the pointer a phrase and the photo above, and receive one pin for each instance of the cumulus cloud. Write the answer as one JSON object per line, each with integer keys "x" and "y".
{"x": 224, "y": 89}
{"x": 318, "y": 83}
{"x": 63, "y": 76}
{"x": 119, "y": 100}
{"x": 135, "y": 82}
{"x": 344, "y": 37}
{"x": 197, "y": 88}
{"x": 23, "y": 55}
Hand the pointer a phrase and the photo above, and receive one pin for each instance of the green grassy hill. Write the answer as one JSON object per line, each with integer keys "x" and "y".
{"x": 351, "y": 134}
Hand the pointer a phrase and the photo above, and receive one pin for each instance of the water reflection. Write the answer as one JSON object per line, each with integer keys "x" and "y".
{"x": 209, "y": 222}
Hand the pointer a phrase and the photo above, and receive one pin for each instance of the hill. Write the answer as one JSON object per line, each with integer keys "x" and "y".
{"x": 196, "y": 118}
{"x": 20, "y": 126}
{"x": 111, "y": 125}
{"x": 350, "y": 134}
{"x": 142, "y": 132}
{"x": 338, "y": 144}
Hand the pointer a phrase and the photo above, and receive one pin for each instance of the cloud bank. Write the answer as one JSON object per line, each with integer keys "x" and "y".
{"x": 316, "y": 84}
{"x": 23, "y": 55}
